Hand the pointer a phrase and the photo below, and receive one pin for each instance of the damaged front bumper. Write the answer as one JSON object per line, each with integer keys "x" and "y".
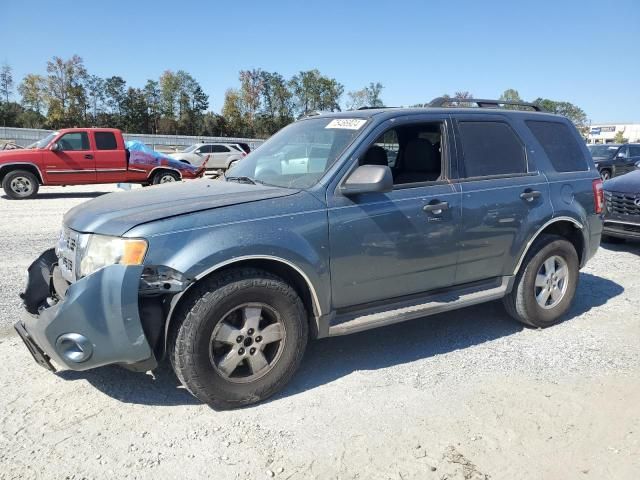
{"x": 94, "y": 322}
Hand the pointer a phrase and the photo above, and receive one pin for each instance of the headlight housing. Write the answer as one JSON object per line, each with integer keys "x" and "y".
{"x": 101, "y": 250}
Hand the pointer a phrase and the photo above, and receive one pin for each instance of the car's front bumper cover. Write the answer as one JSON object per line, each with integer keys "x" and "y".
{"x": 101, "y": 310}
{"x": 621, "y": 227}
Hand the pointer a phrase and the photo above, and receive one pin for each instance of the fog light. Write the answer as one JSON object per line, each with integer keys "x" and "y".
{"x": 74, "y": 347}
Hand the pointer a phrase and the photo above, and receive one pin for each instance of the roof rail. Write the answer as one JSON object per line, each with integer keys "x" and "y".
{"x": 482, "y": 103}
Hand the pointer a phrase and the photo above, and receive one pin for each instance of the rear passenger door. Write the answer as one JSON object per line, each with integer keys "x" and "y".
{"x": 110, "y": 159}
{"x": 502, "y": 194}
{"x": 219, "y": 157}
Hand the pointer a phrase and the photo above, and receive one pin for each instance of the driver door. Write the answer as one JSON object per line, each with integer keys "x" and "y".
{"x": 390, "y": 245}
{"x": 73, "y": 163}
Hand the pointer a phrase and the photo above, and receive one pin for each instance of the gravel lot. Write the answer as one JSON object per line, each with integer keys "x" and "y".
{"x": 465, "y": 395}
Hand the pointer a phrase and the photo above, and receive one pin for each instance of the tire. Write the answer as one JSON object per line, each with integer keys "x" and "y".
{"x": 20, "y": 184}
{"x": 165, "y": 176}
{"x": 521, "y": 303}
{"x": 605, "y": 175}
{"x": 231, "y": 300}
{"x": 610, "y": 239}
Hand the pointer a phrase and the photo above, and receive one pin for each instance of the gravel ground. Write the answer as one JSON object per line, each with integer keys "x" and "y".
{"x": 464, "y": 395}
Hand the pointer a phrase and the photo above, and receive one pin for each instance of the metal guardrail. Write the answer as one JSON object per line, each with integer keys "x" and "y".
{"x": 26, "y": 136}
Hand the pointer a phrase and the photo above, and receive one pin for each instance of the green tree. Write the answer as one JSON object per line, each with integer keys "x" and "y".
{"x": 152, "y": 97}
{"x": 277, "y": 104}
{"x": 619, "y": 137}
{"x": 233, "y": 114}
{"x": 32, "y": 89}
{"x": 6, "y": 82}
{"x": 65, "y": 91}
{"x": 135, "y": 114}
{"x": 115, "y": 91}
{"x": 169, "y": 97}
{"x": 373, "y": 95}
{"x": 313, "y": 91}
{"x": 511, "y": 95}
{"x": 95, "y": 88}
{"x": 569, "y": 110}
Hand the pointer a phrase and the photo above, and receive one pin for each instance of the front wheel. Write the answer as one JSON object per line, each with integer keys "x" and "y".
{"x": 546, "y": 284}
{"x": 238, "y": 338}
{"x": 605, "y": 175}
{"x": 20, "y": 184}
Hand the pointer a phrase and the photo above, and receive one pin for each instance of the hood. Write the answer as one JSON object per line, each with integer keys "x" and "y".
{"x": 19, "y": 155}
{"x": 116, "y": 213}
{"x": 629, "y": 183}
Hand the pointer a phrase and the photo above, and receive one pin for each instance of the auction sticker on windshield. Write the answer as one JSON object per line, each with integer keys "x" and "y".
{"x": 346, "y": 123}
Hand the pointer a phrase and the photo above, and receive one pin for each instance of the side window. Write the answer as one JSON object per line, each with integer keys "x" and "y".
{"x": 634, "y": 150}
{"x": 220, "y": 149}
{"x": 559, "y": 144}
{"x": 623, "y": 152}
{"x": 106, "y": 141}
{"x": 389, "y": 142}
{"x": 74, "y": 141}
{"x": 204, "y": 149}
{"x": 413, "y": 152}
{"x": 491, "y": 148}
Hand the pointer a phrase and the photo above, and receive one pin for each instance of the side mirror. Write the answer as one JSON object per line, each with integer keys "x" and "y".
{"x": 55, "y": 147}
{"x": 368, "y": 179}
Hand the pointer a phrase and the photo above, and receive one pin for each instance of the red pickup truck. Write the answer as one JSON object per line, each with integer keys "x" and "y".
{"x": 80, "y": 156}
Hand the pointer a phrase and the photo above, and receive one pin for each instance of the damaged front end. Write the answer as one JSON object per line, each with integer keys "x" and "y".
{"x": 113, "y": 316}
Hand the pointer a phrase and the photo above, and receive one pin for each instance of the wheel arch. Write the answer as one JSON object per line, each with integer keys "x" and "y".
{"x": 288, "y": 271}
{"x": 30, "y": 167}
{"x": 566, "y": 227}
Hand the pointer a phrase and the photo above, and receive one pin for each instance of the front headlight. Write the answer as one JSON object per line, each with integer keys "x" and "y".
{"x": 102, "y": 250}
{"x": 597, "y": 164}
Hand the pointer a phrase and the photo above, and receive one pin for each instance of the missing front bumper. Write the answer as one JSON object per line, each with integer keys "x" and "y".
{"x": 101, "y": 309}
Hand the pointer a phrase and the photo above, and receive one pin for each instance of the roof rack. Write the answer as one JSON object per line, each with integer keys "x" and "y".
{"x": 482, "y": 103}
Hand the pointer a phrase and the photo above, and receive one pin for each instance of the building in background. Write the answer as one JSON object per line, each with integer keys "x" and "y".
{"x": 606, "y": 132}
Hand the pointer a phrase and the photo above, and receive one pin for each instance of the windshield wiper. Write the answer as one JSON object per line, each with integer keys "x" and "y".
{"x": 248, "y": 180}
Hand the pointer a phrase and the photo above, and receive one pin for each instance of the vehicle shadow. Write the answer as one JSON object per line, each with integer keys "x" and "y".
{"x": 630, "y": 246}
{"x": 329, "y": 359}
{"x": 41, "y": 196}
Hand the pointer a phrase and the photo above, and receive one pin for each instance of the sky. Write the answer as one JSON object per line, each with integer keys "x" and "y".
{"x": 585, "y": 52}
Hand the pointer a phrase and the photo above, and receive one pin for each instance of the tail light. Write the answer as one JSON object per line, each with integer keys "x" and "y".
{"x": 598, "y": 195}
{"x": 244, "y": 154}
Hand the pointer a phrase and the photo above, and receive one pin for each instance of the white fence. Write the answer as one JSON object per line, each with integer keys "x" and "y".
{"x": 26, "y": 136}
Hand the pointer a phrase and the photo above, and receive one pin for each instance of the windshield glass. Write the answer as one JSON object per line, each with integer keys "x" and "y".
{"x": 299, "y": 155}
{"x": 190, "y": 149}
{"x": 45, "y": 141}
{"x": 603, "y": 150}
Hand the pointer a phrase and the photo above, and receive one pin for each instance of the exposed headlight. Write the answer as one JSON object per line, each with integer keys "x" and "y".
{"x": 102, "y": 250}
{"x": 597, "y": 164}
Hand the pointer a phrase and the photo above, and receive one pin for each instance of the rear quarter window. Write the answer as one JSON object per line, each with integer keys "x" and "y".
{"x": 106, "y": 141}
{"x": 560, "y": 145}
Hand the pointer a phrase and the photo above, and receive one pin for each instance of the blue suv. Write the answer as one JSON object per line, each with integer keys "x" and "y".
{"x": 337, "y": 224}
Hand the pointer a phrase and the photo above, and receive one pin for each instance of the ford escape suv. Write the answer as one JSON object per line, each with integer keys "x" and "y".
{"x": 372, "y": 217}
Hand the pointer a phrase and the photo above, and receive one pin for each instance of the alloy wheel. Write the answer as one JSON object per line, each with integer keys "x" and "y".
{"x": 551, "y": 282}
{"x": 247, "y": 342}
{"x": 22, "y": 186}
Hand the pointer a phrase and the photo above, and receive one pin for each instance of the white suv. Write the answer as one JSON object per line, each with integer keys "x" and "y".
{"x": 218, "y": 155}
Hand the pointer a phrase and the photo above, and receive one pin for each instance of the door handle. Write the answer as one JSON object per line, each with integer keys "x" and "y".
{"x": 436, "y": 208}
{"x": 88, "y": 156}
{"x": 530, "y": 195}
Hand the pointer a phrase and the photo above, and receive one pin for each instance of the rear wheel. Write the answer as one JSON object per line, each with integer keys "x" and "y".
{"x": 546, "y": 284}
{"x": 165, "y": 176}
{"x": 20, "y": 184}
{"x": 239, "y": 338}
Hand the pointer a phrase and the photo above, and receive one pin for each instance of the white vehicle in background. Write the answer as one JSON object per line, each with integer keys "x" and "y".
{"x": 218, "y": 155}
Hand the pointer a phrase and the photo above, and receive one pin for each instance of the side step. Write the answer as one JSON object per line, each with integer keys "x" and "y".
{"x": 401, "y": 311}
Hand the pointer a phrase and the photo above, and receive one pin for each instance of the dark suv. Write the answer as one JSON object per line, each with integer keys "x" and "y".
{"x": 614, "y": 159}
{"x": 372, "y": 217}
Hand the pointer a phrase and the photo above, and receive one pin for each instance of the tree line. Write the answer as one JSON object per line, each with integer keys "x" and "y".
{"x": 175, "y": 103}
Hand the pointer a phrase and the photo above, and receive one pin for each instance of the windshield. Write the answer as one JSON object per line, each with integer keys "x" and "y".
{"x": 603, "y": 150}
{"x": 299, "y": 155}
{"x": 44, "y": 142}
{"x": 190, "y": 149}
